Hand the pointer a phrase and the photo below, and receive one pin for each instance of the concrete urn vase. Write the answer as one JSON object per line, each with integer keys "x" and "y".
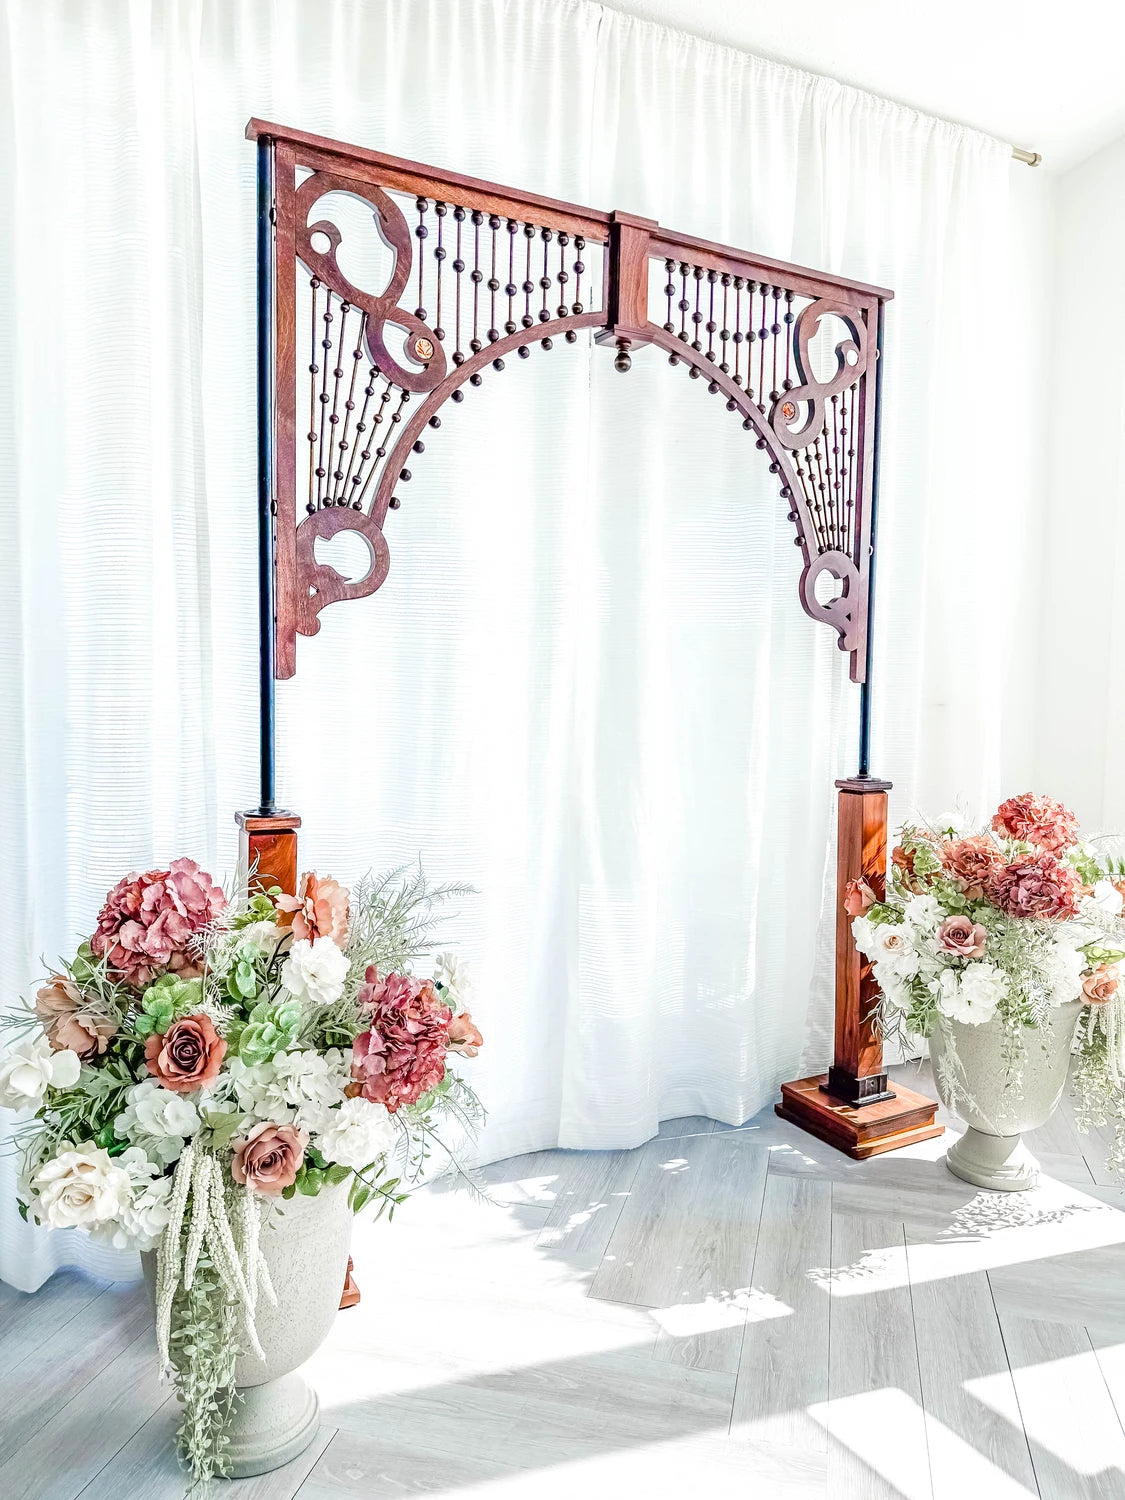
{"x": 305, "y": 1244}
{"x": 973, "y": 1069}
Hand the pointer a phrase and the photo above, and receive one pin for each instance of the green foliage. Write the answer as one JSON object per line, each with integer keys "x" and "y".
{"x": 165, "y": 1001}
{"x": 258, "y": 907}
{"x": 203, "y": 1346}
{"x": 272, "y": 1026}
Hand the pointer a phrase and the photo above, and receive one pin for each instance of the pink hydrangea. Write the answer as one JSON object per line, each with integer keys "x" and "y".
{"x": 1037, "y": 820}
{"x": 402, "y": 1056}
{"x": 148, "y": 920}
{"x": 1036, "y": 885}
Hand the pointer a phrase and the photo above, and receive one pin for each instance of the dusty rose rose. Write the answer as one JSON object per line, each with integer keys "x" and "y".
{"x": 970, "y": 862}
{"x": 464, "y": 1037}
{"x": 962, "y": 936}
{"x": 1035, "y": 885}
{"x": 859, "y": 898}
{"x": 59, "y": 1007}
{"x": 269, "y": 1158}
{"x": 1037, "y": 820}
{"x": 188, "y": 1056}
{"x": 1101, "y": 985}
{"x": 148, "y": 920}
{"x": 402, "y": 1057}
{"x": 319, "y": 909}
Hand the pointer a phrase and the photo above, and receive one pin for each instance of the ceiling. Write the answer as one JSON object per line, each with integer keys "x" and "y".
{"x": 1037, "y": 74}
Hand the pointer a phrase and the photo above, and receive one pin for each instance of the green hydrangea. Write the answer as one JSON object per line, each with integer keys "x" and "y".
{"x": 244, "y": 981}
{"x": 272, "y": 1026}
{"x": 165, "y": 1000}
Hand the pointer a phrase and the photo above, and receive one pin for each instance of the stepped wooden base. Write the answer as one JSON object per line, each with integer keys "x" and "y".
{"x": 865, "y": 1131}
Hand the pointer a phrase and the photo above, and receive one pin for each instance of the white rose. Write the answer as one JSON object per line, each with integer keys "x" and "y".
{"x": 158, "y": 1120}
{"x": 143, "y": 1217}
{"x": 263, "y": 935}
{"x": 1107, "y": 899}
{"x": 1062, "y": 972}
{"x": 970, "y": 994}
{"x": 359, "y": 1134}
{"x": 30, "y": 1068}
{"x": 315, "y": 971}
{"x": 79, "y": 1188}
{"x": 892, "y": 949}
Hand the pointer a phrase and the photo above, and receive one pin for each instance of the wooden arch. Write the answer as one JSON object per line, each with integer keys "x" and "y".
{"x": 353, "y": 379}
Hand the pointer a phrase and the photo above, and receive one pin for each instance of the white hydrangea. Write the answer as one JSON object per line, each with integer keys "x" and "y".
{"x": 923, "y": 916}
{"x": 893, "y": 989}
{"x": 1062, "y": 971}
{"x": 30, "y": 1068}
{"x": 360, "y": 1132}
{"x": 970, "y": 994}
{"x": 1107, "y": 899}
{"x": 293, "y": 1088}
{"x": 452, "y": 973}
{"x": 315, "y": 971}
{"x": 157, "y": 1120}
{"x": 142, "y": 1216}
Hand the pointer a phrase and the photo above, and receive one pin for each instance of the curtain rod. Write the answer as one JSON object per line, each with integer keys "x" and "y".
{"x": 1032, "y": 158}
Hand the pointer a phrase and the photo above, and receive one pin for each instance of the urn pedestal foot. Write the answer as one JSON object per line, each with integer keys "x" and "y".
{"x": 271, "y": 1424}
{"x": 1000, "y": 1162}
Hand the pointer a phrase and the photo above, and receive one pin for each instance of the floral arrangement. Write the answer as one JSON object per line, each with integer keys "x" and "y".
{"x": 201, "y": 1058}
{"x": 1007, "y": 922}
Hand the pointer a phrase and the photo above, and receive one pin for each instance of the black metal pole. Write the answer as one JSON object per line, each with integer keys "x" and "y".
{"x": 865, "y": 685}
{"x": 266, "y": 687}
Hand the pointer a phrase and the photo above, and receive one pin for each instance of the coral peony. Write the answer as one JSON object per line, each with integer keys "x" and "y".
{"x": 970, "y": 862}
{"x": 402, "y": 1057}
{"x": 188, "y": 1056}
{"x": 269, "y": 1158}
{"x": 59, "y": 1007}
{"x": 464, "y": 1037}
{"x": 148, "y": 920}
{"x": 1035, "y": 885}
{"x": 962, "y": 937}
{"x": 1100, "y": 987}
{"x": 319, "y": 909}
{"x": 1037, "y": 820}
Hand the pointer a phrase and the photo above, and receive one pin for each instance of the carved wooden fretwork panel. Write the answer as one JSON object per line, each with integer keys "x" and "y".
{"x": 470, "y": 275}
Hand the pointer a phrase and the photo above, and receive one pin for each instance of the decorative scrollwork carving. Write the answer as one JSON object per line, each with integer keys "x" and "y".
{"x": 425, "y": 359}
{"x": 851, "y": 361}
{"x": 319, "y": 583}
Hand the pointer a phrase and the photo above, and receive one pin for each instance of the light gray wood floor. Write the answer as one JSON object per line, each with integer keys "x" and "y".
{"x": 720, "y": 1312}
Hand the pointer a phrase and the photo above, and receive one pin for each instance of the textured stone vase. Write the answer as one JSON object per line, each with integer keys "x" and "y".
{"x": 991, "y": 1153}
{"x": 306, "y": 1248}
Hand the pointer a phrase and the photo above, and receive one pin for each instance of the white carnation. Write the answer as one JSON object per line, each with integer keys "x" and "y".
{"x": 452, "y": 973}
{"x": 863, "y": 931}
{"x": 315, "y": 971}
{"x": 30, "y": 1068}
{"x": 970, "y": 994}
{"x": 157, "y": 1120}
{"x": 144, "y": 1214}
{"x": 1107, "y": 899}
{"x": 78, "y": 1188}
{"x": 1062, "y": 972}
{"x": 360, "y": 1132}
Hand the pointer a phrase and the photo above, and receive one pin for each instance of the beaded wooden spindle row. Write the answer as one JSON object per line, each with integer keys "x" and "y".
{"x": 353, "y": 414}
{"x": 745, "y": 328}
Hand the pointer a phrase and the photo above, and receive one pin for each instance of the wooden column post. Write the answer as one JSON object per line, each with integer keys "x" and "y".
{"x": 852, "y": 1106}
{"x": 268, "y": 845}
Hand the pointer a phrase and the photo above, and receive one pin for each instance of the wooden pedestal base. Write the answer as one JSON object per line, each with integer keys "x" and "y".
{"x": 866, "y": 1131}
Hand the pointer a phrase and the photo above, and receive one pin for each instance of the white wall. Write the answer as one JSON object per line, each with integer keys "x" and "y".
{"x": 1081, "y": 710}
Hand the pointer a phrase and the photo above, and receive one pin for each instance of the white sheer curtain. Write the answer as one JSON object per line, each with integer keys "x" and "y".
{"x": 587, "y": 686}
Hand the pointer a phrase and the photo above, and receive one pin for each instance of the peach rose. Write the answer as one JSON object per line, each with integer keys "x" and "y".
{"x": 268, "y": 1159}
{"x": 963, "y": 937}
{"x": 1101, "y": 985}
{"x": 319, "y": 909}
{"x": 188, "y": 1056}
{"x": 859, "y": 898}
{"x": 59, "y": 1007}
{"x": 464, "y": 1037}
